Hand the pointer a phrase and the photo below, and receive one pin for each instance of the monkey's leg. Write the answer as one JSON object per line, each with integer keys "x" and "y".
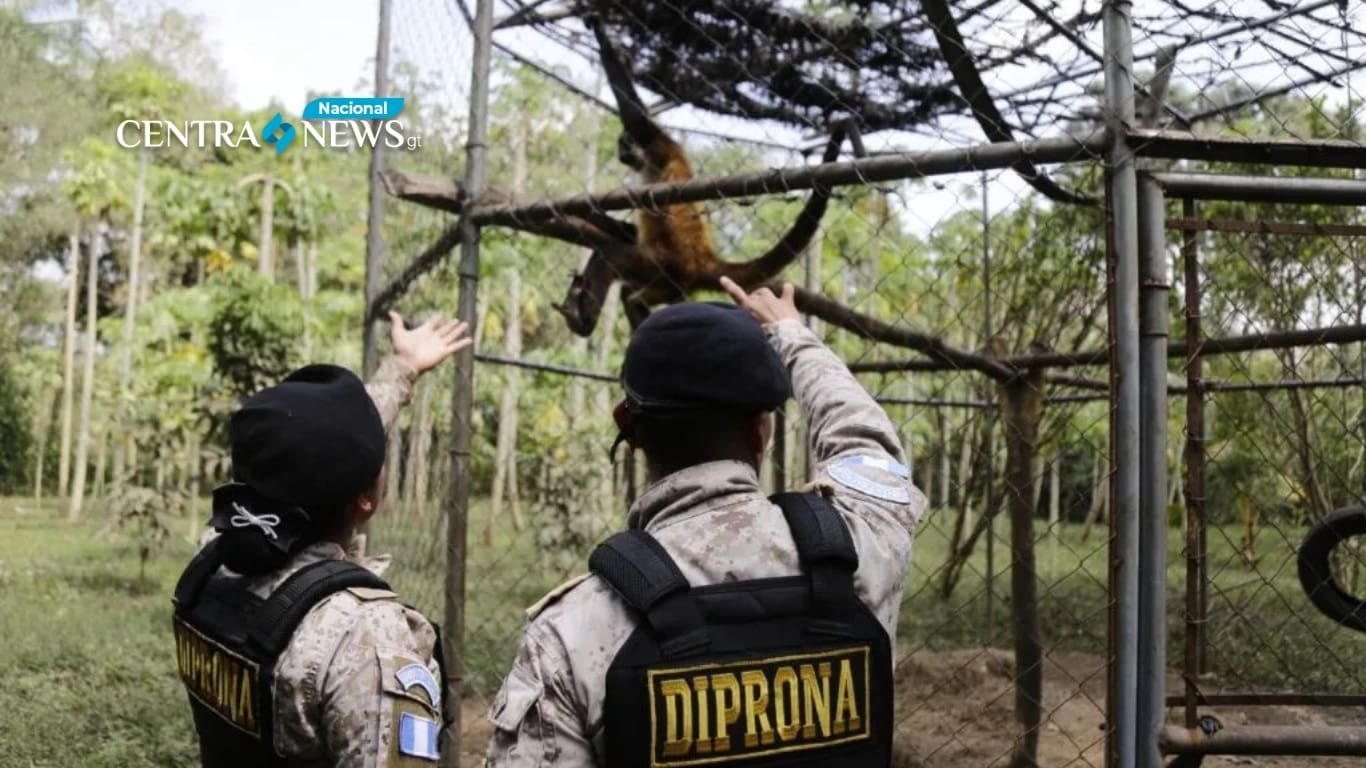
{"x": 636, "y": 312}
{"x": 587, "y": 291}
{"x": 856, "y": 139}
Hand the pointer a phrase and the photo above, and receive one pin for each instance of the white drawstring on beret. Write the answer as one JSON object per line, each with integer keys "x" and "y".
{"x": 245, "y": 518}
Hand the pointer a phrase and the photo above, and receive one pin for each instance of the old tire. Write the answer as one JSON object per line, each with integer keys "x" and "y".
{"x": 1316, "y": 577}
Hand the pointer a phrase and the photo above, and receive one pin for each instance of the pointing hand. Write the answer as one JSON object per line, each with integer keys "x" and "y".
{"x": 766, "y": 307}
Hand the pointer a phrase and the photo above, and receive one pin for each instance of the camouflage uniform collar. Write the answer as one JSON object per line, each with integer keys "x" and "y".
{"x": 354, "y": 551}
{"x": 699, "y": 488}
{"x": 357, "y": 552}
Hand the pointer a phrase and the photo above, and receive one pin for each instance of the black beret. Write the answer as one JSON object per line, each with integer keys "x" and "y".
{"x": 314, "y": 441}
{"x": 703, "y": 356}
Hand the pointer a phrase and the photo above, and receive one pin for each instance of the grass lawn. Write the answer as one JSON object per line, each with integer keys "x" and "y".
{"x": 88, "y": 662}
{"x": 86, "y": 649}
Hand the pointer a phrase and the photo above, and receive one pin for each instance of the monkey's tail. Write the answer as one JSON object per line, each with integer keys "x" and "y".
{"x": 798, "y": 237}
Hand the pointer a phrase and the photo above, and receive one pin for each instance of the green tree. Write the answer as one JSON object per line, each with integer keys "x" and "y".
{"x": 254, "y": 331}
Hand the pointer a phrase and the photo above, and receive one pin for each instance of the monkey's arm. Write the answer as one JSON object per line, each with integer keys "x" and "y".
{"x": 635, "y": 118}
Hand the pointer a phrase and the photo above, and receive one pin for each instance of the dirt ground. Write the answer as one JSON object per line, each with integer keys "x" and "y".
{"x": 955, "y": 709}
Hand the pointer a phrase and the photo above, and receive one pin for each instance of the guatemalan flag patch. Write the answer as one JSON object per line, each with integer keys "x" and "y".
{"x": 417, "y": 736}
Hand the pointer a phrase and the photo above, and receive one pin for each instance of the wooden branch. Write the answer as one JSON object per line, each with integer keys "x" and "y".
{"x": 447, "y": 194}
{"x": 974, "y": 92}
{"x": 439, "y": 192}
{"x": 627, "y": 261}
{"x": 1080, "y": 382}
{"x": 419, "y": 266}
{"x": 1258, "y": 98}
{"x": 868, "y": 327}
{"x": 531, "y": 14}
{"x": 1308, "y": 337}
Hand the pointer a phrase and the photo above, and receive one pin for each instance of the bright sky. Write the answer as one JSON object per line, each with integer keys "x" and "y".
{"x": 282, "y": 49}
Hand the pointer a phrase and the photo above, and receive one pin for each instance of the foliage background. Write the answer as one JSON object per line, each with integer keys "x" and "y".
{"x": 210, "y": 327}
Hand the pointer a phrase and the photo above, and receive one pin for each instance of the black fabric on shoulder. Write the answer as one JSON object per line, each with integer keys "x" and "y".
{"x": 640, "y": 570}
{"x": 204, "y": 564}
{"x": 274, "y": 623}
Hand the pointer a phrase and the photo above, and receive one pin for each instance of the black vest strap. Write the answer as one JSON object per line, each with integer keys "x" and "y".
{"x": 274, "y": 623}
{"x": 826, "y": 551}
{"x": 818, "y": 530}
{"x": 641, "y": 571}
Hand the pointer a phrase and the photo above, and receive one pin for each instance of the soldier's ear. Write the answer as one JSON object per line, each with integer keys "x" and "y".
{"x": 362, "y": 509}
{"x": 367, "y": 503}
{"x": 621, "y": 415}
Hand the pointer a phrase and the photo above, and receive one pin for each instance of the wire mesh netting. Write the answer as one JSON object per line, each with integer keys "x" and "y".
{"x": 964, "y": 301}
{"x": 1283, "y": 445}
{"x": 429, "y": 50}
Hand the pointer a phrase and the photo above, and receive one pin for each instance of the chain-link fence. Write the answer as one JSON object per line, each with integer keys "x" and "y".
{"x": 1274, "y": 447}
{"x": 1014, "y": 305}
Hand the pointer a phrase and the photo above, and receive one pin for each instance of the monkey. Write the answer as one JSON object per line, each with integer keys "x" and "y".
{"x": 674, "y": 249}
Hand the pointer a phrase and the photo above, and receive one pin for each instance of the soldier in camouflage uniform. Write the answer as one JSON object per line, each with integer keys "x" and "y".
{"x": 716, "y": 525}
{"x": 357, "y": 682}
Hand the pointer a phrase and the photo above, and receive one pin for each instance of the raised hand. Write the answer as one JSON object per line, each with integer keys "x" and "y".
{"x": 427, "y": 345}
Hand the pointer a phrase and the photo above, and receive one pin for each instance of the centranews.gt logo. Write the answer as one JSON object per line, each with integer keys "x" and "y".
{"x": 328, "y": 122}
{"x": 279, "y": 133}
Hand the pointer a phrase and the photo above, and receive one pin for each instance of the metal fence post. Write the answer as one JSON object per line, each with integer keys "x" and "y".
{"x": 1152, "y": 570}
{"x": 374, "y": 235}
{"x": 1124, "y": 436}
{"x": 988, "y": 508}
{"x": 1195, "y": 470}
{"x": 457, "y": 510}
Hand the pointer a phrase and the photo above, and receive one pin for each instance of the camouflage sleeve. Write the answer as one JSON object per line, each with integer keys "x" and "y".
{"x": 390, "y": 387}
{"x": 861, "y": 465}
{"x": 536, "y": 719}
{"x": 843, "y": 418}
{"x": 359, "y": 686}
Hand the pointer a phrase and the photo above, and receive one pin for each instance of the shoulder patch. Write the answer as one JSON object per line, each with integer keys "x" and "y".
{"x": 554, "y": 594}
{"x": 850, "y": 471}
{"x": 414, "y": 675}
{"x": 417, "y": 736}
{"x": 366, "y": 594}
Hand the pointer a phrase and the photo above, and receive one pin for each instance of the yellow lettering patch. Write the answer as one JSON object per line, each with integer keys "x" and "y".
{"x": 221, "y": 680}
{"x": 717, "y": 713}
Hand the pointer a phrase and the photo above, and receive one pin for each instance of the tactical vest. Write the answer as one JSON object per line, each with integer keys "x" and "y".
{"x": 781, "y": 671}
{"x": 227, "y": 642}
